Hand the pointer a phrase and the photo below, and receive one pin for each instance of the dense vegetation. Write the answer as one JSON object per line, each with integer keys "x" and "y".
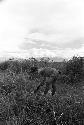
{"x": 20, "y": 106}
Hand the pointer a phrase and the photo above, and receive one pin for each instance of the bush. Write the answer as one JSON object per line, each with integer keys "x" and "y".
{"x": 4, "y": 65}
{"x": 74, "y": 69}
{"x": 15, "y": 67}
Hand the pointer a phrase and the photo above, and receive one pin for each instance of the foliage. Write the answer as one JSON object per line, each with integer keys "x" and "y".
{"x": 20, "y": 106}
{"x": 15, "y": 67}
{"x": 74, "y": 69}
{"x": 24, "y": 108}
{"x": 4, "y": 65}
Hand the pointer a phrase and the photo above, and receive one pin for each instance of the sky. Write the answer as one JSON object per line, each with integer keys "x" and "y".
{"x": 41, "y": 28}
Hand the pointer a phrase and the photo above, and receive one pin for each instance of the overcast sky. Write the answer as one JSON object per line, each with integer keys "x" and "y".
{"x": 42, "y": 28}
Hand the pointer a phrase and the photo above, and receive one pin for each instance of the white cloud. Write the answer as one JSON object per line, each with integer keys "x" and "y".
{"x": 54, "y": 22}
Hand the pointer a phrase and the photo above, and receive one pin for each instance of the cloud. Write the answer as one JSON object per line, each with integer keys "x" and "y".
{"x": 66, "y": 53}
{"x": 1, "y": 0}
{"x": 37, "y": 48}
{"x": 53, "y": 26}
{"x": 38, "y": 39}
{"x": 74, "y": 44}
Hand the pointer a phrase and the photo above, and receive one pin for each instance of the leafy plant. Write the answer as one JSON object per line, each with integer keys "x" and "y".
{"x": 74, "y": 69}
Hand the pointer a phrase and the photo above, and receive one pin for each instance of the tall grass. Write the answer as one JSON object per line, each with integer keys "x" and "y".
{"x": 20, "y": 106}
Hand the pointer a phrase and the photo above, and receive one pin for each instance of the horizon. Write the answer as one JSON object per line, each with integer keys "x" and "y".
{"x": 55, "y": 59}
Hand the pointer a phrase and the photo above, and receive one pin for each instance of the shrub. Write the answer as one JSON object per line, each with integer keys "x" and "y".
{"x": 15, "y": 67}
{"x": 74, "y": 69}
{"x": 25, "y": 65}
{"x": 4, "y": 65}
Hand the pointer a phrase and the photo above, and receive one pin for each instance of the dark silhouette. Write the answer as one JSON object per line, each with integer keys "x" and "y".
{"x": 49, "y": 76}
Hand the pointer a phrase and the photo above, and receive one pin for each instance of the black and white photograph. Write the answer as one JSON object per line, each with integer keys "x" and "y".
{"x": 41, "y": 62}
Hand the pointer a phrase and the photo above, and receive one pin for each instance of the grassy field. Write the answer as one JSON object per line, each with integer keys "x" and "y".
{"x": 20, "y": 106}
